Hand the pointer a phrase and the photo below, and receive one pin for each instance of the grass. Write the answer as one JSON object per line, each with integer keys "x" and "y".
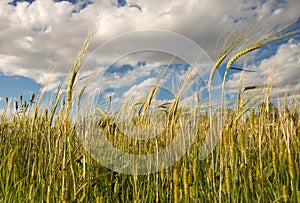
{"x": 42, "y": 158}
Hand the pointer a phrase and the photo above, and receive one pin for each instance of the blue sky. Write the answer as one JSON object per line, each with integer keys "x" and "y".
{"x": 16, "y": 85}
{"x": 40, "y": 39}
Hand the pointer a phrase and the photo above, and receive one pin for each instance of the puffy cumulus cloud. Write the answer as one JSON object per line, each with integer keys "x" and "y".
{"x": 37, "y": 37}
{"x": 46, "y": 34}
{"x": 140, "y": 91}
{"x": 281, "y": 69}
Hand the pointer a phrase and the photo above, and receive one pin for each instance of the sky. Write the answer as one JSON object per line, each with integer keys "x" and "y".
{"x": 41, "y": 38}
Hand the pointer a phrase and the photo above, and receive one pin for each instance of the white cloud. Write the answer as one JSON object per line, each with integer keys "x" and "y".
{"x": 140, "y": 91}
{"x": 47, "y": 34}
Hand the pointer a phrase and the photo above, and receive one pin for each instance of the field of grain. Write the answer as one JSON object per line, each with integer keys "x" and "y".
{"x": 257, "y": 158}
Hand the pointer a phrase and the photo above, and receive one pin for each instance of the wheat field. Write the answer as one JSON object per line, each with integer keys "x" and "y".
{"x": 257, "y": 158}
